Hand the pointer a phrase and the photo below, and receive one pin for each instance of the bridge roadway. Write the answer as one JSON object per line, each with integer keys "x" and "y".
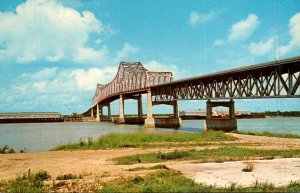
{"x": 275, "y": 79}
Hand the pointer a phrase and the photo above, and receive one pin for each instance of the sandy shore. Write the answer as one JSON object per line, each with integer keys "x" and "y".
{"x": 98, "y": 162}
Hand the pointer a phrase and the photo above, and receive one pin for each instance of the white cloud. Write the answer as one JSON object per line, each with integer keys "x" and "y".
{"x": 197, "y": 18}
{"x": 243, "y": 29}
{"x": 219, "y": 42}
{"x": 40, "y": 85}
{"x": 294, "y": 30}
{"x": 89, "y": 55}
{"x": 46, "y": 73}
{"x": 159, "y": 67}
{"x": 125, "y": 52}
{"x": 87, "y": 80}
{"x": 46, "y": 30}
{"x": 263, "y": 47}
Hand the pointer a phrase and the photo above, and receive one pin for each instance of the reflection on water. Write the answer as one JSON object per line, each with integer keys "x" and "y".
{"x": 44, "y": 136}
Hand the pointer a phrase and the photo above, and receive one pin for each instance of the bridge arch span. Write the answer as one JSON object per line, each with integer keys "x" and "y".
{"x": 132, "y": 77}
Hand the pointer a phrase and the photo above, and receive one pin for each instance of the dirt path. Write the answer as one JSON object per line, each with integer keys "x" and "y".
{"x": 267, "y": 142}
{"x": 62, "y": 162}
{"x": 98, "y": 162}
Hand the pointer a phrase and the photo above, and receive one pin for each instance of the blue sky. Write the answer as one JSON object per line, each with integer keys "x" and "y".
{"x": 52, "y": 53}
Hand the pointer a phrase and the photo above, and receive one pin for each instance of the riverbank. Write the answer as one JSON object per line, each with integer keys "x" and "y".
{"x": 98, "y": 168}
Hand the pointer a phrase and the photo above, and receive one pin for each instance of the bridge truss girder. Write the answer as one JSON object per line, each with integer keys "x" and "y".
{"x": 265, "y": 81}
{"x": 131, "y": 77}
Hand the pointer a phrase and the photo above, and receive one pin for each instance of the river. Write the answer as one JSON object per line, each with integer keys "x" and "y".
{"x": 44, "y": 136}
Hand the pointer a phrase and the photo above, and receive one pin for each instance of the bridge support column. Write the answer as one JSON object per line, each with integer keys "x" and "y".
{"x": 140, "y": 107}
{"x": 98, "y": 115}
{"x": 177, "y": 120}
{"x": 221, "y": 124}
{"x": 108, "y": 110}
{"x": 209, "y": 110}
{"x": 101, "y": 111}
{"x": 149, "y": 122}
{"x": 231, "y": 109}
{"x": 92, "y": 112}
{"x": 121, "y": 111}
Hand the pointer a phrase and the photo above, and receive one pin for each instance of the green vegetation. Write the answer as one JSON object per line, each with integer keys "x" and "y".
{"x": 6, "y": 149}
{"x": 208, "y": 155}
{"x": 24, "y": 150}
{"x": 146, "y": 140}
{"x": 171, "y": 181}
{"x": 156, "y": 167}
{"x": 269, "y": 134}
{"x": 249, "y": 168}
{"x": 69, "y": 177}
{"x": 159, "y": 181}
{"x": 284, "y": 114}
{"x": 27, "y": 183}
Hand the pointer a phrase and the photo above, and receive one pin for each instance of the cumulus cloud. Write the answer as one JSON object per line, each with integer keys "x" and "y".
{"x": 263, "y": 47}
{"x": 87, "y": 79}
{"x": 197, "y": 18}
{"x": 243, "y": 29}
{"x": 125, "y": 52}
{"x": 47, "y": 30}
{"x": 294, "y": 30}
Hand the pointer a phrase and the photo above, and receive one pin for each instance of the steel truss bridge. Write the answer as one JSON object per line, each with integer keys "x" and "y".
{"x": 268, "y": 80}
{"x": 275, "y": 79}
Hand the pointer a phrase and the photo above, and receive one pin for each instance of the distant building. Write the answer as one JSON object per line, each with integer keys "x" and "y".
{"x": 30, "y": 117}
{"x": 242, "y": 112}
{"x": 202, "y": 112}
{"x": 199, "y": 112}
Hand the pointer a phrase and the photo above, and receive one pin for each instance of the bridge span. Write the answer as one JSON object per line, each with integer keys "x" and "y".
{"x": 275, "y": 79}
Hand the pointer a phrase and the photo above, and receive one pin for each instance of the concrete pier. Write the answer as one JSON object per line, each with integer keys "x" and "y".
{"x": 98, "y": 115}
{"x": 140, "y": 106}
{"x": 108, "y": 110}
{"x": 222, "y": 124}
{"x": 170, "y": 122}
{"x": 176, "y": 122}
{"x": 121, "y": 110}
{"x": 149, "y": 122}
{"x": 92, "y": 112}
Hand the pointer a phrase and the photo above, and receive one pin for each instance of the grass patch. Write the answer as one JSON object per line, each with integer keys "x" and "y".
{"x": 146, "y": 140}
{"x": 27, "y": 183}
{"x": 269, "y": 134}
{"x": 156, "y": 167}
{"x": 209, "y": 155}
{"x": 171, "y": 181}
{"x": 69, "y": 177}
